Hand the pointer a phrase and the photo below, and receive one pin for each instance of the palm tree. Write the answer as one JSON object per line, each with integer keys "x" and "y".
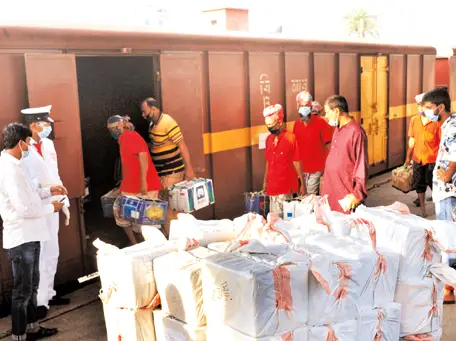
{"x": 362, "y": 24}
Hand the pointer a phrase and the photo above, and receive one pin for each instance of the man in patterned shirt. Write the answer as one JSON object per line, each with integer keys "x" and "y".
{"x": 437, "y": 107}
{"x": 169, "y": 152}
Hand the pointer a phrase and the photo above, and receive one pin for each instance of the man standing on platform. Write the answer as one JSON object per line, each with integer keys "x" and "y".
{"x": 424, "y": 140}
{"x": 283, "y": 165}
{"x": 346, "y": 168}
{"x": 313, "y": 135}
{"x": 24, "y": 228}
{"x": 169, "y": 151}
{"x": 42, "y": 166}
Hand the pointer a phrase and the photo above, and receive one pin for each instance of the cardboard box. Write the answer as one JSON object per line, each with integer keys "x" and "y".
{"x": 256, "y": 202}
{"x": 190, "y": 196}
{"x": 107, "y": 202}
{"x": 143, "y": 212}
{"x": 402, "y": 179}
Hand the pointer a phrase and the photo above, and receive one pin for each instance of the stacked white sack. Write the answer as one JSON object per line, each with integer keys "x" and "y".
{"x": 259, "y": 298}
{"x": 128, "y": 325}
{"x": 380, "y": 323}
{"x": 167, "y": 328}
{"x": 178, "y": 277}
{"x": 386, "y": 229}
{"x": 344, "y": 331}
{"x": 422, "y": 305}
{"x": 204, "y": 231}
{"x": 226, "y": 333}
{"x": 127, "y": 277}
{"x": 335, "y": 286}
{"x": 436, "y": 336}
{"x": 379, "y": 269}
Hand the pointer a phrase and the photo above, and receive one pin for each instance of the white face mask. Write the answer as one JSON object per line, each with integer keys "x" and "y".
{"x": 333, "y": 122}
{"x": 24, "y": 153}
{"x": 45, "y": 132}
{"x": 304, "y": 111}
{"x": 430, "y": 114}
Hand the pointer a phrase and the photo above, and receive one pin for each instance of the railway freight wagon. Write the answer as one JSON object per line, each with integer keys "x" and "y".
{"x": 445, "y": 75}
{"x": 215, "y": 87}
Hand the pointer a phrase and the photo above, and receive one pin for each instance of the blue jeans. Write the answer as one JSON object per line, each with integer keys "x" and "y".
{"x": 24, "y": 260}
{"x": 444, "y": 211}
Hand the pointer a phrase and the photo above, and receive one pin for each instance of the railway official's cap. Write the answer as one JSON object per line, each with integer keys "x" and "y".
{"x": 38, "y": 114}
{"x": 303, "y": 98}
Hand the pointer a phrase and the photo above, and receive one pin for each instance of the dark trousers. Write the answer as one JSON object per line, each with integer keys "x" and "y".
{"x": 422, "y": 176}
{"x": 24, "y": 260}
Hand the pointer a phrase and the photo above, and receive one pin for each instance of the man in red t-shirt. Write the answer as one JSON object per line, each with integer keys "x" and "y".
{"x": 139, "y": 176}
{"x": 283, "y": 167}
{"x": 313, "y": 135}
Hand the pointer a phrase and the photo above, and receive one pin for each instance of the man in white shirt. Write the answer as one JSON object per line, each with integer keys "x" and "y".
{"x": 42, "y": 166}
{"x": 24, "y": 227}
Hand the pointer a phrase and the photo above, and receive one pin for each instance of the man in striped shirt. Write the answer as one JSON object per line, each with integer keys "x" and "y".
{"x": 168, "y": 149}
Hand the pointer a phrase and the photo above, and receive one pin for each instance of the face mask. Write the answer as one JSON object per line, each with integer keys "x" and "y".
{"x": 275, "y": 130}
{"x": 45, "y": 132}
{"x": 333, "y": 123}
{"x": 115, "y": 135}
{"x": 304, "y": 111}
{"x": 25, "y": 153}
{"x": 430, "y": 114}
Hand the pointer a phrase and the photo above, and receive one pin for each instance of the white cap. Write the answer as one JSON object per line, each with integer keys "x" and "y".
{"x": 419, "y": 98}
{"x": 41, "y": 114}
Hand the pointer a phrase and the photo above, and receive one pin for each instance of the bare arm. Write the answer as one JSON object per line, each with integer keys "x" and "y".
{"x": 411, "y": 146}
{"x": 186, "y": 156}
{"x": 298, "y": 167}
{"x": 265, "y": 180}
{"x": 143, "y": 168}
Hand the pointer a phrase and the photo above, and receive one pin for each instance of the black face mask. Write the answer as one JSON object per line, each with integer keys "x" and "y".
{"x": 274, "y": 130}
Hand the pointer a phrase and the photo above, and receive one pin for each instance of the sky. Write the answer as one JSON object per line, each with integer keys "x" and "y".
{"x": 411, "y": 22}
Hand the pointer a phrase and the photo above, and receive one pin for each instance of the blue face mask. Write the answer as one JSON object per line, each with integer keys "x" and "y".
{"x": 304, "y": 111}
{"x": 45, "y": 132}
{"x": 430, "y": 114}
{"x": 24, "y": 153}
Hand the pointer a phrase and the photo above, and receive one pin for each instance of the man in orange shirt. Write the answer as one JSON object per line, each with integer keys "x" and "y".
{"x": 313, "y": 135}
{"x": 283, "y": 166}
{"x": 424, "y": 140}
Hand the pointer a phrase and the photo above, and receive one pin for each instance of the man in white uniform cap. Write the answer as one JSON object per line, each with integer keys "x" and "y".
{"x": 42, "y": 167}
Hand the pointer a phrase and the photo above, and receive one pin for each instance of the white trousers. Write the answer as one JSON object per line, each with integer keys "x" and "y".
{"x": 49, "y": 257}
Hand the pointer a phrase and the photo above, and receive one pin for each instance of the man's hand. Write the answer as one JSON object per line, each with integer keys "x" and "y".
{"x": 57, "y": 206}
{"x": 190, "y": 174}
{"x": 58, "y": 190}
{"x": 353, "y": 202}
{"x": 443, "y": 175}
{"x": 144, "y": 187}
{"x": 302, "y": 191}
{"x": 408, "y": 162}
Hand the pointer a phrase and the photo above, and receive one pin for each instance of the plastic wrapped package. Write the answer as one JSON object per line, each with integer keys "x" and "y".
{"x": 421, "y": 304}
{"x": 378, "y": 274}
{"x": 128, "y": 325}
{"x": 413, "y": 243}
{"x": 127, "y": 277}
{"x": 204, "y": 231}
{"x": 435, "y": 336}
{"x": 335, "y": 286}
{"x": 273, "y": 230}
{"x": 380, "y": 323}
{"x": 168, "y": 328}
{"x": 178, "y": 278}
{"x": 256, "y": 298}
{"x": 344, "y": 331}
{"x": 226, "y": 333}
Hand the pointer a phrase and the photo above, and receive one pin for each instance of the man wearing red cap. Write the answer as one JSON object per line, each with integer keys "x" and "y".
{"x": 313, "y": 135}
{"x": 283, "y": 166}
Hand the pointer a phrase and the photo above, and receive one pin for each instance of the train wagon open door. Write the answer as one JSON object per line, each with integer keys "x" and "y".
{"x": 374, "y": 108}
{"x": 52, "y": 80}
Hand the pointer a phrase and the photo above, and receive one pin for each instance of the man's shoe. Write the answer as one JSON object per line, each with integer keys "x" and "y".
{"x": 429, "y": 199}
{"x": 59, "y": 301}
{"x": 417, "y": 202}
{"x": 449, "y": 295}
{"x": 41, "y": 334}
{"x": 41, "y": 312}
